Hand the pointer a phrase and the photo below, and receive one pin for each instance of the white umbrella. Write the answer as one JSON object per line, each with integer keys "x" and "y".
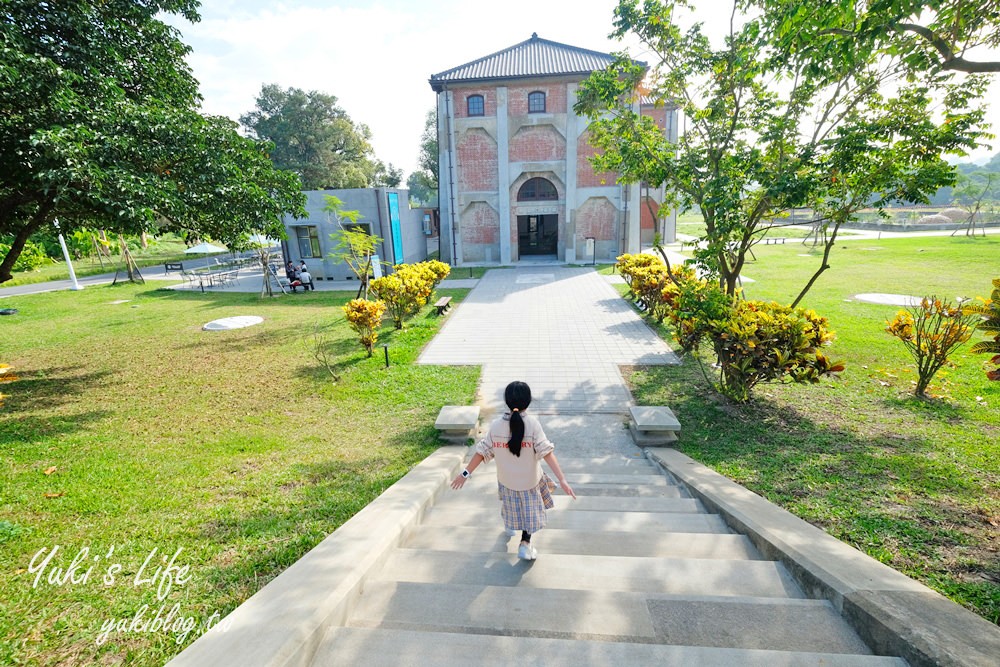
{"x": 204, "y": 248}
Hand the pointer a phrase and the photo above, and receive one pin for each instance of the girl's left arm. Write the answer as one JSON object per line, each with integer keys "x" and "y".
{"x": 550, "y": 458}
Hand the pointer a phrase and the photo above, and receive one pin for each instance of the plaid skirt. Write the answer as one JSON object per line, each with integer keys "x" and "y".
{"x": 525, "y": 510}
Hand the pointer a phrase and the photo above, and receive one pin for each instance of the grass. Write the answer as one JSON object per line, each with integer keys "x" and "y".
{"x": 159, "y": 252}
{"x": 913, "y": 483}
{"x": 132, "y": 429}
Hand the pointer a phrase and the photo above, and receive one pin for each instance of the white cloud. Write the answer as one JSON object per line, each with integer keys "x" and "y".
{"x": 376, "y": 57}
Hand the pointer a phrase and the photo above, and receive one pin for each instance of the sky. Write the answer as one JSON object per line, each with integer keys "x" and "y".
{"x": 376, "y": 56}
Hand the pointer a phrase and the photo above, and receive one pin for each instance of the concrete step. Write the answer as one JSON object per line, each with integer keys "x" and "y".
{"x": 485, "y": 476}
{"x": 375, "y": 647}
{"x": 607, "y": 543}
{"x": 676, "y": 576}
{"x": 608, "y": 466}
{"x": 446, "y": 517}
{"x": 725, "y": 622}
{"x": 469, "y": 498}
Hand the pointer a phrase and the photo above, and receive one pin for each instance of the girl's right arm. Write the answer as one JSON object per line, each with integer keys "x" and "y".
{"x": 459, "y": 481}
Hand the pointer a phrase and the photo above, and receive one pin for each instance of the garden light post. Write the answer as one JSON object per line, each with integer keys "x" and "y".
{"x": 72, "y": 274}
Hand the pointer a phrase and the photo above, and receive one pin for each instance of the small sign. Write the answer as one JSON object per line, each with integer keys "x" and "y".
{"x": 377, "y": 266}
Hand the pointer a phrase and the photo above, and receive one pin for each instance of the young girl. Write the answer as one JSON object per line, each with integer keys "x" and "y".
{"x": 518, "y": 444}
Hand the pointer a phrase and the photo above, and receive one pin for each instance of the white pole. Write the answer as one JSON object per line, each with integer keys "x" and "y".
{"x": 72, "y": 274}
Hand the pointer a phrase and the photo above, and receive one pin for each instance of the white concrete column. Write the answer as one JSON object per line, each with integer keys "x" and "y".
{"x": 633, "y": 227}
{"x": 669, "y": 221}
{"x": 503, "y": 174}
{"x": 446, "y": 173}
{"x": 572, "y": 134}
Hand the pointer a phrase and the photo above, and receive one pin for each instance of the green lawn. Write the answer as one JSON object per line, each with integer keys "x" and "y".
{"x": 132, "y": 429}
{"x": 159, "y": 252}
{"x": 914, "y": 483}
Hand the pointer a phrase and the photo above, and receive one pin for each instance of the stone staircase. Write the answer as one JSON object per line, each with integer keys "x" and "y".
{"x": 635, "y": 571}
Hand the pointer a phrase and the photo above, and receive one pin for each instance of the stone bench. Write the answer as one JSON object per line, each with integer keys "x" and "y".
{"x": 458, "y": 423}
{"x": 653, "y": 425}
{"x": 442, "y": 304}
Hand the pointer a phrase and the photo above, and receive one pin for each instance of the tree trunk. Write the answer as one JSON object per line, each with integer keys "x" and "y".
{"x": 21, "y": 237}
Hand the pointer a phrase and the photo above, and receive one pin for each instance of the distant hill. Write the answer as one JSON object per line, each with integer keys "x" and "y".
{"x": 946, "y": 196}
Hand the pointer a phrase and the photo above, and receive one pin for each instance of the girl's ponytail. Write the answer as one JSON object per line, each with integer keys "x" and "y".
{"x": 518, "y": 397}
{"x": 516, "y": 432}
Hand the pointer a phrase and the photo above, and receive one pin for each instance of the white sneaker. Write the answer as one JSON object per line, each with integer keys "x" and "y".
{"x": 527, "y": 552}
{"x": 509, "y": 532}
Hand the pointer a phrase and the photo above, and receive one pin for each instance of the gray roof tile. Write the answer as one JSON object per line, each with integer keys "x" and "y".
{"x": 531, "y": 58}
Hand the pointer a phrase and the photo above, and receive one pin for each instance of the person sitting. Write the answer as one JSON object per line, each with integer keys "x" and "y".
{"x": 306, "y": 279}
{"x": 290, "y": 271}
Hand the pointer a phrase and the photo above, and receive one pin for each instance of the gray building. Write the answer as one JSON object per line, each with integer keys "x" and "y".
{"x": 385, "y": 212}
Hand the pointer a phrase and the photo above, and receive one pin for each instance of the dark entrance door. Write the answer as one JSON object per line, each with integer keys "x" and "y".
{"x": 537, "y": 234}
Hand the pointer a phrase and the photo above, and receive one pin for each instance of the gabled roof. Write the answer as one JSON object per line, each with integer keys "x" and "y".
{"x": 531, "y": 58}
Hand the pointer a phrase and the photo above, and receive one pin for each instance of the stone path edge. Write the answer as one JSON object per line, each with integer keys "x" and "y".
{"x": 893, "y": 614}
{"x": 283, "y": 623}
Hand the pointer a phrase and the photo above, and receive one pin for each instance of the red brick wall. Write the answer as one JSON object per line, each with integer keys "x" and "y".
{"x": 659, "y": 115}
{"x": 535, "y": 144}
{"x": 489, "y": 101}
{"x": 555, "y": 98}
{"x": 596, "y": 219}
{"x": 480, "y": 225}
{"x": 585, "y": 176}
{"x": 646, "y": 219}
{"x": 477, "y": 162}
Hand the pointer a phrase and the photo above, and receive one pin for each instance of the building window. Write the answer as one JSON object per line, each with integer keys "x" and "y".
{"x": 308, "y": 242}
{"x": 475, "y": 105}
{"x": 536, "y": 102}
{"x": 537, "y": 189}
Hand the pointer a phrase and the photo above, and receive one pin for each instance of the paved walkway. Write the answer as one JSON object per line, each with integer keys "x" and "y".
{"x": 564, "y": 331}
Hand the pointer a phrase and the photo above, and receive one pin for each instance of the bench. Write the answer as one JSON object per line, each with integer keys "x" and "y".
{"x": 442, "y": 304}
{"x": 458, "y": 423}
{"x": 172, "y": 266}
{"x": 655, "y": 425}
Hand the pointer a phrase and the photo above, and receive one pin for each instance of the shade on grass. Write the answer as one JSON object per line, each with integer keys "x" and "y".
{"x": 914, "y": 483}
{"x": 132, "y": 428}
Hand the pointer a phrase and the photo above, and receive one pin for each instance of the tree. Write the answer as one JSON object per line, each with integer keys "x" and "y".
{"x": 933, "y": 35}
{"x": 423, "y": 183}
{"x": 774, "y": 122}
{"x": 99, "y": 127}
{"x": 355, "y": 246}
{"x": 971, "y": 192}
{"x": 317, "y": 140}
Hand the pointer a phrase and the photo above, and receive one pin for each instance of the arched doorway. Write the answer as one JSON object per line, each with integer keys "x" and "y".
{"x": 537, "y": 234}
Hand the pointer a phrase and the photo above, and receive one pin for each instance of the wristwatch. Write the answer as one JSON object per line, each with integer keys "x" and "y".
{"x": 466, "y": 473}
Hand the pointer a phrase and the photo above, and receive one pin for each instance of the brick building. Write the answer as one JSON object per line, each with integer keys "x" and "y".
{"x": 515, "y": 179}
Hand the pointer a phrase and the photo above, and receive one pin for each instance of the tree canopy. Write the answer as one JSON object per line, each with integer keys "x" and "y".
{"x": 423, "y": 183}
{"x": 317, "y": 140}
{"x": 99, "y": 126}
{"x": 784, "y": 113}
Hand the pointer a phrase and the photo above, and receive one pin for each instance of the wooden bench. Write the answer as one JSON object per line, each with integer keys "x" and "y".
{"x": 458, "y": 423}
{"x": 172, "y": 266}
{"x": 442, "y": 304}
{"x": 653, "y": 425}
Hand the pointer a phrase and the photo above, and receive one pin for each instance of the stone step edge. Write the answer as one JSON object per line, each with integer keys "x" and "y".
{"x": 438, "y": 647}
{"x": 893, "y": 614}
{"x": 284, "y": 622}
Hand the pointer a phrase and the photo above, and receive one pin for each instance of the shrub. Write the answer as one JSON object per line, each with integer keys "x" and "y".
{"x": 32, "y": 258}
{"x": 405, "y": 291}
{"x": 931, "y": 332}
{"x": 989, "y": 312}
{"x": 691, "y": 306}
{"x": 439, "y": 270}
{"x": 761, "y": 341}
{"x": 365, "y": 317}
